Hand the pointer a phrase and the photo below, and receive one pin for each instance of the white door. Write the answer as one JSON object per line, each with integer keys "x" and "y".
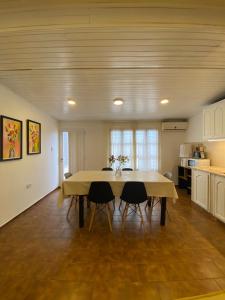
{"x": 72, "y": 151}
{"x": 64, "y": 153}
{"x": 219, "y": 194}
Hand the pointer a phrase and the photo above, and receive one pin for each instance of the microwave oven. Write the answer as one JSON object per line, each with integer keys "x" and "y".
{"x": 198, "y": 162}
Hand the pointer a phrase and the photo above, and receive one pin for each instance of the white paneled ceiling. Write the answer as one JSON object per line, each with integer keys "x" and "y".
{"x": 143, "y": 51}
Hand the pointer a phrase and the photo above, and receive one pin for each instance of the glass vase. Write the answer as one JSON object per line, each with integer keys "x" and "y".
{"x": 118, "y": 172}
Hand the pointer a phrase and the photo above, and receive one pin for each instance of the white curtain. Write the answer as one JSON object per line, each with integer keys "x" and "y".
{"x": 147, "y": 150}
{"x": 141, "y": 146}
{"x": 122, "y": 144}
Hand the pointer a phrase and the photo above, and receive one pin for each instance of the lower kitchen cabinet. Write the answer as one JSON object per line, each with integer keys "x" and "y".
{"x": 208, "y": 191}
{"x": 219, "y": 197}
{"x": 200, "y": 188}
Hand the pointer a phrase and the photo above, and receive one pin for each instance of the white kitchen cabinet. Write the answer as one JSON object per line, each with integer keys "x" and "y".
{"x": 214, "y": 121}
{"x": 200, "y": 188}
{"x": 219, "y": 197}
{"x": 218, "y": 120}
{"x": 207, "y": 123}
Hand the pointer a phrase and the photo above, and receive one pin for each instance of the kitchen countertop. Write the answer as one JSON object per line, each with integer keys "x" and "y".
{"x": 212, "y": 169}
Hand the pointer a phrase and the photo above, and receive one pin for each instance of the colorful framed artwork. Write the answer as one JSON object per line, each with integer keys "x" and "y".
{"x": 33, "y": 137}
{"x": 11, "y": 143}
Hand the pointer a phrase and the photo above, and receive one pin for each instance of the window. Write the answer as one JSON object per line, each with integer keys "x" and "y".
{"x": 122, "y": 144}
{"x": 147, "y": 150}
{"x": 141, "y": 146}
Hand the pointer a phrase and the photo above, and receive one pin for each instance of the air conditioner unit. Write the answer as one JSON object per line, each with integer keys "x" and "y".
{"x": 174, "y": 126}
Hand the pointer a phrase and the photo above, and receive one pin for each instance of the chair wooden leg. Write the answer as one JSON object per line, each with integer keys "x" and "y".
{"x": 121, "y": 201}
{"x": 76, "y": 201}
{"x": 111, "y": 211}
{"x": 114, "y": 204}
{"x": 71, "y": 203}
{"x": 109, "y": 216}
{"x": 92, "y": 217}
{"x": 125, "y": 214}
{"x": 142, "y": 220}
{"x": 149, "y": 203}
{"x": 153, "y": 203}
{"x": 124, "y": 211}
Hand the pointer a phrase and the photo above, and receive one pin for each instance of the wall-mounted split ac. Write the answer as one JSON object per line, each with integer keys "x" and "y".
{"x": 179, "y": 126}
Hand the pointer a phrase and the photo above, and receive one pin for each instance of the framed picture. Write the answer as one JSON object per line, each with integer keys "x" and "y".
{"x": 33, "y": 137}
{"x": 10, "y": 139}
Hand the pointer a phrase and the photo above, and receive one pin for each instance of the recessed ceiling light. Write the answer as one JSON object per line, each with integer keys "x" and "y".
{"x": 118, "y": 101}
{"x": 164, "y": 101}
{"x": 71, "y": 101}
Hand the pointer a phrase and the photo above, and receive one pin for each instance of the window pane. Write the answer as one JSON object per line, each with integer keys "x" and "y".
{"x": 122, "y": 144}
{"x": 147, "y": 149}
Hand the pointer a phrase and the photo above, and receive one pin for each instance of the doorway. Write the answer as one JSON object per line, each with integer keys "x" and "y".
{"x": 64, "y": 153}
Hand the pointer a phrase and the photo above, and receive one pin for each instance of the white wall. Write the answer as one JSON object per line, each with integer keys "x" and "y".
{"x": 215, "y": 150}
{"x": 194, "y": 133}
{"x": 39, "y": 170}
{"x": 170, "y": 151}
{"x": 95, "y": 144}
{"x": 97, "y": 141}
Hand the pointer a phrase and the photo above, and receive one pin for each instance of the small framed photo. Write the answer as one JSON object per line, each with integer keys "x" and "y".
{"x": 33, "y": 137}
{"x": 11, "y": 143}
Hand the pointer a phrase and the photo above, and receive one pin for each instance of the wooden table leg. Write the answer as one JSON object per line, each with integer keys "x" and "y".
{"x": 163, "y": 211}
{"x": 81, "y": 211}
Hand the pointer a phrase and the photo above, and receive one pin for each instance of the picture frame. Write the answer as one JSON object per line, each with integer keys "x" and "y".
{"x": 11, "y": 139}
{"x": 33, "y": 137}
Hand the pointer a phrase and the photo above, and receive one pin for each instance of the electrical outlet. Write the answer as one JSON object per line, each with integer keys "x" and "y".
{"x": 28, "y": 186}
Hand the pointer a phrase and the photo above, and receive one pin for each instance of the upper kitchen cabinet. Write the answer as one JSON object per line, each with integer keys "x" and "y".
{"x": 214, "y": 121}
{"x": 207, "y": 124}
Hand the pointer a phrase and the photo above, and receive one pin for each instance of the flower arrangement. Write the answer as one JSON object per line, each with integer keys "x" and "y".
{"x": 112, "y": 160}
{"x": 122, "y": 159}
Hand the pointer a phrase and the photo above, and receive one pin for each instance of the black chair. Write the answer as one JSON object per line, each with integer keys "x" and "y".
{"x": 101, "y": 194}
{"x": 67, "y": 175}
{"x": 133, "y": 194}
{"x": 110, "y": 169}
{"x": 124, "y": 169}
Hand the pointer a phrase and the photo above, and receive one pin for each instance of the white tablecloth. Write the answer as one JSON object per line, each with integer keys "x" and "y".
{"x": 155, "y": 184}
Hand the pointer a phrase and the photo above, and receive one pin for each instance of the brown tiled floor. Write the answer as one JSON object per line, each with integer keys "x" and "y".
{"x": 42, "y": 256}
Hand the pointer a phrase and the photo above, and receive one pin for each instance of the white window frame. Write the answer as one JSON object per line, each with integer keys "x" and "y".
{"x": 134, "y": 160}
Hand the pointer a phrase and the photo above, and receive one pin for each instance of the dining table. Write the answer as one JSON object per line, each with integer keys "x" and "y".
{"x": 155, "y": 183}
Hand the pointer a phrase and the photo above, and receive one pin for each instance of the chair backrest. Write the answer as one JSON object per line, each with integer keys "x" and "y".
{"x": 134, "y": 192}
{"x": 168, "y": 175}
{"x": 107, "y": 169}
{"x": 67, "y": 175}
{"x": 127, "y": 169}
{"x": 100, "y": 192}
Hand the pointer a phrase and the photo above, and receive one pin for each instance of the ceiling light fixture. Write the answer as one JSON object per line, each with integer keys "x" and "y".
{"x": 164, "y": 101}
{"x": 216, "y": 140}
{"x": 118, "y": 101}
{"x": 71, "y": 101}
